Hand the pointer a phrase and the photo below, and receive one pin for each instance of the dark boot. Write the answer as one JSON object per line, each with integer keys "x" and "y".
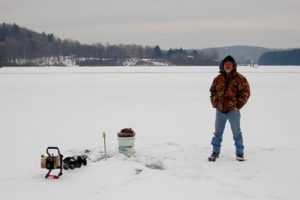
{"x": 240, "y": 157}
{"x": 213, "y": 157}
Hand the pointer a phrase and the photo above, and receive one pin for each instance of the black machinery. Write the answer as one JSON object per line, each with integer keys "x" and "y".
{"x": 52, "y": 162}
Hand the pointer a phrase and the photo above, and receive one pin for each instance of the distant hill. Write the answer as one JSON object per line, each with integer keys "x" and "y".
{"x": 282, "y": 57}
{"x": 20, "y": 46}
{"x": 243, "y": 54}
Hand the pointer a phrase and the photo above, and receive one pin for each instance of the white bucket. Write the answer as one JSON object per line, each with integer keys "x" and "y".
{"x": 126, "y": 145}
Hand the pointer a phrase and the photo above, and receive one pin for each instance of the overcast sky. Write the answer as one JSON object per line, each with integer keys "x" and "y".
{"x": 169, "y": 23}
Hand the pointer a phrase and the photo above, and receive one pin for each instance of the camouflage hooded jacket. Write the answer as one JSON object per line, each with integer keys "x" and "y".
{"x": 229, "y": 91}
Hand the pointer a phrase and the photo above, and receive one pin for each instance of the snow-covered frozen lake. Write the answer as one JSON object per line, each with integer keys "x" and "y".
{"x": 170, "y": 111}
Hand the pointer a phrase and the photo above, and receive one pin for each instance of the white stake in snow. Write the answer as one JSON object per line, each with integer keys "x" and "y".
{"x": 104, "y": 139}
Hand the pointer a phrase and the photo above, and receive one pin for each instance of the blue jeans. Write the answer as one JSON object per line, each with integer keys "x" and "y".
{"x": 233, "y": 117}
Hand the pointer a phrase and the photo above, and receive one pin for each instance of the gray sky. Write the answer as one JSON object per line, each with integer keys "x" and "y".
{"x": 169, "y": 23}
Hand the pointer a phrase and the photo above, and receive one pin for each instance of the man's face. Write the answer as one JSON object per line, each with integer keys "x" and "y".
{"x": 228, "y": 66}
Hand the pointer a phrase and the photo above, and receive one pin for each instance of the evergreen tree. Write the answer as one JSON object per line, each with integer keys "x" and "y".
{"x": 157, "y": 53}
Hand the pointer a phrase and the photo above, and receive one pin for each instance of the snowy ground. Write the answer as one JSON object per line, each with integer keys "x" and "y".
{"x": 170, "y": 111}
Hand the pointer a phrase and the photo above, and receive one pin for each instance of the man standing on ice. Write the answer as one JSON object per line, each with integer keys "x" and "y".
{"x": 229, "y": 93}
